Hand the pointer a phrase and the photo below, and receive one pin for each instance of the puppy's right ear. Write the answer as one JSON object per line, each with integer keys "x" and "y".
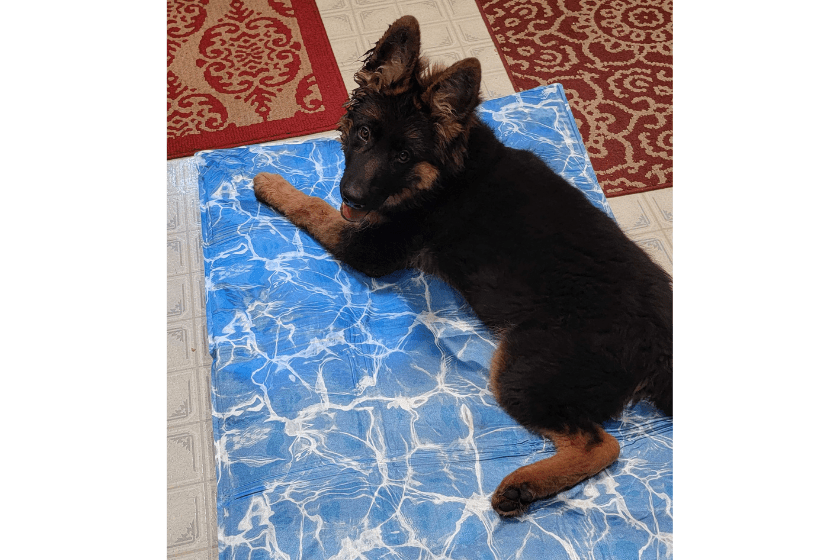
{"x": 390, "y": 65}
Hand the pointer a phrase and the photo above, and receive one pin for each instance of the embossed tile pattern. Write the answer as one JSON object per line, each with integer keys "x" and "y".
{"x": 191, "y": 479}
{"x": 648, "y": 219}
{"x": 186, "y": 529}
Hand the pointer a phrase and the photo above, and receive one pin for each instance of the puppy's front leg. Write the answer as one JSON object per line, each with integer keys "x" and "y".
{"x": 310, "y": 213}
{"x": 360, "y": 247}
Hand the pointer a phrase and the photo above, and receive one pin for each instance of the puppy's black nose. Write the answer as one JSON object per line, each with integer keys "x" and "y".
{"x": 353, "y": 194}
{"x": 354, "y": 204}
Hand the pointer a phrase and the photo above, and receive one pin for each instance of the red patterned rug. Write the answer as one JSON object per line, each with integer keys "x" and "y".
{"x": 614, "y": 60}
{"x": 246, "y": 71}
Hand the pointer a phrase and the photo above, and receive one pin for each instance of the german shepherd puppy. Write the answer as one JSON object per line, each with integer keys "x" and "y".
{"x": 583, "y": 315}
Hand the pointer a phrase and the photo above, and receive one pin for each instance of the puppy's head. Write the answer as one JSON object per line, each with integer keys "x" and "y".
{"x": 405, "y": 125}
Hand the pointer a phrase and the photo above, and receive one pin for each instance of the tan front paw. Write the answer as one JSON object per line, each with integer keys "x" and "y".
{"x": 271, "y": 189}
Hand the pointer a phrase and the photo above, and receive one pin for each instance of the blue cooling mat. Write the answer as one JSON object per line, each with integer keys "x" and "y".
{"x": 352, "y": 417}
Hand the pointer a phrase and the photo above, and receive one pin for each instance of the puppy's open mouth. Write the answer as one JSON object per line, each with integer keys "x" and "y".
{"x": 351, "y": 214}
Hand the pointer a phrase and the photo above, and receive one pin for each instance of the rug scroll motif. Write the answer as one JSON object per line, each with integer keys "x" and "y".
{"x": 615, "y": 61}
{"x": 247, "y": 71}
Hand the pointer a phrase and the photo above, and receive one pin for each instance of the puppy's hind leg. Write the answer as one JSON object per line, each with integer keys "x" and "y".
{"x": 545, "y": 393}
{"x": 578, "y": 457}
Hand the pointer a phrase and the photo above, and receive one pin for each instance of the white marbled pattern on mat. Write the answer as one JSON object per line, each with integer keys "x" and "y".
{"x": 352, "y": 416}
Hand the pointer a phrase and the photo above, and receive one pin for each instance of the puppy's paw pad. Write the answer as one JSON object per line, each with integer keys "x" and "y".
{"x": 512, "y": 501}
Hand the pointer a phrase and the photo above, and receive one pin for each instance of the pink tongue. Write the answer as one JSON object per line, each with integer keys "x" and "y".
{"x": 351, "y": 214}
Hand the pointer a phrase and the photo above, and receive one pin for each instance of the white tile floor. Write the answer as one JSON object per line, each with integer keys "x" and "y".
{"x": 451, "y": 30}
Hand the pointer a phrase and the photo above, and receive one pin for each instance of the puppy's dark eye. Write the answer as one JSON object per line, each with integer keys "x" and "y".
{"x": 364, "y": 133}
{"x": 403, "y": 156}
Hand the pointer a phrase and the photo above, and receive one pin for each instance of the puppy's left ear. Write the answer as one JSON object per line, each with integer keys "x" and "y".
{"x": 454, "y": 94}
{"x": 391, "y": 64}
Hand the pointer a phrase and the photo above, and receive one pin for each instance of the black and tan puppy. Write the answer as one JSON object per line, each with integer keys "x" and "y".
{"x": 582, "y": 314}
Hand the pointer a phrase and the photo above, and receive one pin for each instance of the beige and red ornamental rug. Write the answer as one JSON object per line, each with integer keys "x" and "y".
{"x": 246, "y": 72}
{"x": 614, "y": 59}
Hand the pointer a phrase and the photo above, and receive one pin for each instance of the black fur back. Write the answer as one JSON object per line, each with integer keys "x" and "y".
{"x": 584, "y": 315}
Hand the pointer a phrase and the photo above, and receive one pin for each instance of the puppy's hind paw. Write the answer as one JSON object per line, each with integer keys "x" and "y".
{"x": 512, "y": 501}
